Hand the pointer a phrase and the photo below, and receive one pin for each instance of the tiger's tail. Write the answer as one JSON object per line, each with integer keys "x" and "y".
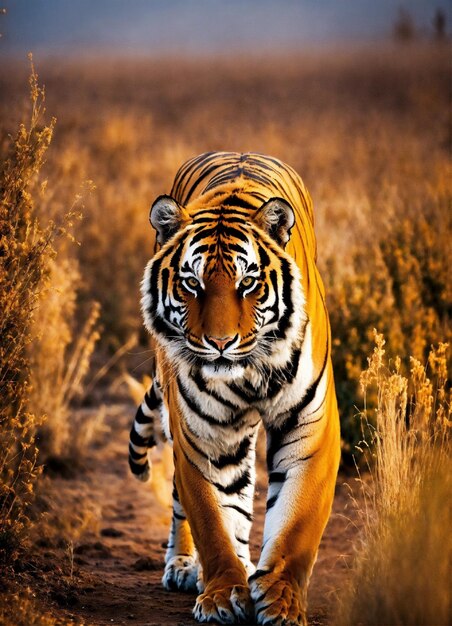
{"x": 142, "y": 434}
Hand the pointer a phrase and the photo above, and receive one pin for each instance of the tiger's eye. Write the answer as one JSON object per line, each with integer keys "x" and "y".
{"x": 248, "y": 281}
{"x": 192, "y": 282}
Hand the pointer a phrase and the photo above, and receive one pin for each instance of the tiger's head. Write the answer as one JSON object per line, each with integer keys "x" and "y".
{"x": 221, "y": 294}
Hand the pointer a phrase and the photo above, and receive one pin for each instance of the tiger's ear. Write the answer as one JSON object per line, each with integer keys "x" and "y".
{"x": 276, "y": 217}
{"x": 165, "y": 217}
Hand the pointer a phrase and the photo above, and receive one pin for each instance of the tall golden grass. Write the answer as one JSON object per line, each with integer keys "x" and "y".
{"x": 41, "y": 364}
{"x": 398, "y": 282}
{"x": 59, "y": 361}
{"x": 403, "y": 563}
{"x": 26, "y": 249}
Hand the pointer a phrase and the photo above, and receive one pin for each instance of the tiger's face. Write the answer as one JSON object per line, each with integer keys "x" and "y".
{"x": 221, "y": 294}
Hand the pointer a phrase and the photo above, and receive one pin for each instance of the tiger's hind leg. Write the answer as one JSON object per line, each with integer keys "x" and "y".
{"x": 181, "y": 563}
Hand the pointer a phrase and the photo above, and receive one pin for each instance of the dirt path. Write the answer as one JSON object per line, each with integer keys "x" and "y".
{"x": 117, "y": 573}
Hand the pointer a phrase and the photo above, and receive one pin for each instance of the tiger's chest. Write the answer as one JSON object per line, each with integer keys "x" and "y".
{"x": 213, "y": 409}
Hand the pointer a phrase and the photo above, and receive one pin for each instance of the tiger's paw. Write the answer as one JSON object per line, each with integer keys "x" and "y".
{"x": 181, "y": 573}
{"x": 228, "y": 605}
{"x": 277, "y": 600}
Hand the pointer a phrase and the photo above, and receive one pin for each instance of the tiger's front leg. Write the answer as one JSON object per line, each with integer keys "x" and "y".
{"x": 218, "y": 506}
{"x": 181, "y": 563}
{"x": 302, "y": 473}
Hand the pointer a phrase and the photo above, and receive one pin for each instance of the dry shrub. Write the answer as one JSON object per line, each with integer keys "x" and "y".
{"x": 398, "y": 283}
{"x": 60, "y": 359}
{"x": 37, "y": 311}
{"x": 25, "y": 251}
{"x": 22, "y": 609}
{"x": 402, "y": 569}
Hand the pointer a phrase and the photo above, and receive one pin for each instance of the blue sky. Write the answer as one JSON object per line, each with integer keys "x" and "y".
{"x": 198, "y": 26}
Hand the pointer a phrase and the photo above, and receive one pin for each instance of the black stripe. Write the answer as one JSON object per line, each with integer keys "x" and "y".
{"x": 198, "y": 180}
{"x": 231, "y": 217}
{"x": 237, "y": 485}
{"x": 285, "y": 319}
{"x": 137, "y": 439}
{"x": 230, "y": 231}
{"x": 241, "y": 393}
{"x": 153, "y": 285}
{"x": 164, "y": 286}
{"x": 223, "y": 460}
{"x": 310, "y": 393}
{"x": 236, "y": 247}
{"x": 243, "y": 541}
{"x": 276, "y": 435}
{"x": 235, "y": 458}
{"x": 239, "y": 509}
{"x": 178, "y": 516}
{"x": 160, "y": 324}
{"x": 291, "y": 441}
{"x": 236, "y": 201}
{"x": 262, "y": 608}
{"x": 193, "y": 445}
{"x": 263, "y": 256}
{"x": 178, "y": 246}
{"x": 233, "y": 419}
{"x": 141, "y": 418}
{"x": 151, "y": 399}
{"x": 201, "y": 384}
{"x": 204, "y": 220}
{"x": 257, "y": 574}
{"x": 136, "y": 455}
{"x": 203, "y": 234}
{"x": 274, "y": 308}
{"x": 138, "y": 468}
{"x": 271, "y": 501}
{"x": 284, "y": 376}
{"x": 276, "y": 477}
{"x": 211, "y": 211}
{"x": 193, "y": 406}
{"x": 189, "y": 460}
{"x": 265, "y": 293}
{"x": 303, "y": 458}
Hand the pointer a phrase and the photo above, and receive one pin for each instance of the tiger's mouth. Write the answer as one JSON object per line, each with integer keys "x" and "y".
{"x": 224, "y": 369}
{"x": 227, "y": 365}
{"x": 204, "y": 353}
{"x": 219, "y": 362}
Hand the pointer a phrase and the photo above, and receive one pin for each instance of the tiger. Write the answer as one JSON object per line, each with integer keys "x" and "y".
{"x": 235, "y": 307}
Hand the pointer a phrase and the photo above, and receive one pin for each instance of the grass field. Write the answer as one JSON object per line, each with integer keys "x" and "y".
{"x": 368, "y": 130}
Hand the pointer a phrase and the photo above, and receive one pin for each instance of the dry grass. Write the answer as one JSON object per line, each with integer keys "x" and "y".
{"x": 369, "y": 132}
{"x": 23, "y": 610}
{"x": 399, "y": 283}
{"x": 402, "y": 570}
{"x": 41, "y": 364}
{"x": 60, "y": 360}
{"x": 26, "y": 249}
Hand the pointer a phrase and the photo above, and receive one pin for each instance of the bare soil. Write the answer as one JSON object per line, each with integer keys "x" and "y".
{"x": 112, "y": 574}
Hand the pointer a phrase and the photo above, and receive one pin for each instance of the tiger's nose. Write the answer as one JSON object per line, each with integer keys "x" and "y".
{"x": 220, "y": 342}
